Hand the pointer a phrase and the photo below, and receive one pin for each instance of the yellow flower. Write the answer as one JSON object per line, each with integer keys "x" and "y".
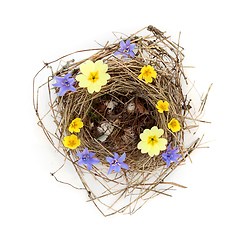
{"x": 162, "y": 106}
{"x": 75, "y": 125}
{"x": 151, "y": 142}
{"x": 174, "y": 125}
{"x": 147, "y": 73}
{"x": 93, "y": 75}
{"x": 71, "y": 142}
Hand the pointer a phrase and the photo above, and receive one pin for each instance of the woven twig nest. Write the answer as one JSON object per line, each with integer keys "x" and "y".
{"x": 114, "y": 117}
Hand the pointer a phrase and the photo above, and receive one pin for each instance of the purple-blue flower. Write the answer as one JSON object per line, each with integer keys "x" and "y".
{"x": 116, "y": 163}
{"x": 171, "y": 155}
{"x": 87, "y": 158}
{"x": 126, "y": 49}
{"x": 65, "y": 83}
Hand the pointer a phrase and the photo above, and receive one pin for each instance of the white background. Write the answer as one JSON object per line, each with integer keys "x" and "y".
{"x": 35, "y": 206}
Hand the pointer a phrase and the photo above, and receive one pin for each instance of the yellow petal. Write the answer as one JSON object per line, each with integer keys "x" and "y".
{"x": 83, "y": 80}
{"x": 100, "y": 67}
{"x": 144, "y": 136}
{"x": 162, "y": 142}
{"x": 148, "y": 79}
{"x": 153, "y": 151}
{"x": 156, "y": 131}
{"x": 143, "y": 146}
{"x": 103, "y": 79}
{"x": 87, "y": 67}
{"x": 93, "y": 87}
{"x": 140, "y": 76}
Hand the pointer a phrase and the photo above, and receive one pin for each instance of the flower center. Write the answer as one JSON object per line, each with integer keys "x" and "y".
{"x": 85, "y": 157}
{"x": 93, "y": 77}
{"x": 71, "y": 143}
{"x": 115, "y": 162}
{"x": 152, "y": 140}
{"x": 126, "y": 50}
{"x": 73, "y": 125}
{"x": 66, "y": 83}
{"x": 173, "y": 124}
{"x": 147, "y": 72}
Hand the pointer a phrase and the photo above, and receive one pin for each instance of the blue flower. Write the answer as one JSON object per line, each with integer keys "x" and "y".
{"x": 116, "y": 163}
{"x": 65, "y": 83}
{"x": 87, "y": 158}
{"x": 171, "y": 155}
{"x": 126, "y": 49}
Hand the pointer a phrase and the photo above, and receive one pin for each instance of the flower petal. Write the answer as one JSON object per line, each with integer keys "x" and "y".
{"x": 131, "y": 47}
{"x": 89, "y": 165}
{"x": 62, "y": 91}
{"x": 122, "y": 158}
{"x": 143, "y": 146}
{"x": 154, "y": 150}
{"x": 100, "y": 67}
{"x": 83, "y": 80}
{"x": 87, "y": 67}
{"x": 123, "y": 45}
{"x": 117, "y": 168}
{"x": 162, "y": 142}
{"x": 93, "y": 87}
{"x": 131, "y": 54}
{"x": 124, "y": 165}
{"x": 85, "y": 151}
{"x": 128, "y": 42}
{"x": 94, "y": 161}
{"x": 80, "y": 162}
{"x": 156, "y": 131}
{"x": 110, "y": 169}
{"x": 103, "y": 79}
{"x": 145, "y": 134}
{"x": 116, "y": 156}
{"x": 109, "y": 159}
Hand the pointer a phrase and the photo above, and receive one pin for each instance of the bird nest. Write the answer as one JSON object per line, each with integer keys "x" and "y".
{"x": 114, "y": 117}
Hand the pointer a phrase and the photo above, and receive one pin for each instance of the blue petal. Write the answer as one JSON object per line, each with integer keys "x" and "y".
{"x": 85, "y": 151}
{"x": 117, "y": 168}
{"x": 131, "y": 47}
{"x": 117, "y": 52}
{"x": 122, "y": 158}
{"x": 80, "y": 162}
{"x": 132, "y": 54}
{"x": 62, "y": 91}
{"x": 79, "y": 155}
{"x": 58, "y": 84}
{"x": 109, "y": 159}
{"x": 124, "y": 165}
{"x": 89, "y": 166}
{"x": 123, "y": 45}
{"x": 116, "y": 156}
{"x": 71, "y": 88}
{"x": 58, "y": 78}
{"x": 110, "y": 169}
{"x": 91, "y": 154}
{"x": 128, "y": 42}
{"x": 93, "y": 161}
{"x": 67, "y": 75}
{"x": 168, "y": 162}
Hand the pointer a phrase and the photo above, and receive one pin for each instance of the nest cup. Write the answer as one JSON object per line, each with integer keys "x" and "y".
{"x": 115, "y": 116}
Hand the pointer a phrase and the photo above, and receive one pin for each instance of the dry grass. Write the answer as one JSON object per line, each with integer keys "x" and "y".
{"x": 146, "y": 177}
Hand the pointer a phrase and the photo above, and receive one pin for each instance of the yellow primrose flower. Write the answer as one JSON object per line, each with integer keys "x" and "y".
{"x": 93, "y": 75}
{"x": 174, "y": 125}
{"x": 151, "y": 142}
{"x": 147, "y": 73}
{"x": 71, "y": 142}
{"x": 75, "y": 125}
{"x": 162, "y": 106}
